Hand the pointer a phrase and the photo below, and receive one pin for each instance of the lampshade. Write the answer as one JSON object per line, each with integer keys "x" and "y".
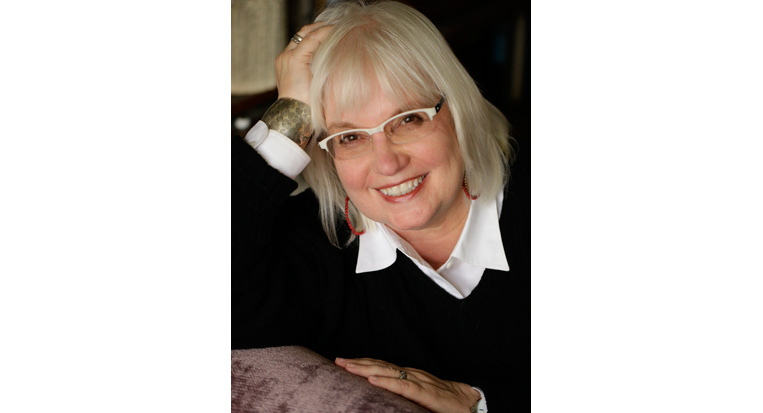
{"x": 258, "y": 34}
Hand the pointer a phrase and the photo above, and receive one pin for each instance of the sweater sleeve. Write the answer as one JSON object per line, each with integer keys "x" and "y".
{"x": 280, "y": 259}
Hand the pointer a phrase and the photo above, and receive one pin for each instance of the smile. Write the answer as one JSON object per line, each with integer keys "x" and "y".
{"x": 402, "y": 189}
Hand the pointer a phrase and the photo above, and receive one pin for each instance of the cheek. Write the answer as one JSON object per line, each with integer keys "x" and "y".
{"x": 448, "y": 154}
{"x": 447, "y": 149}
{"x": 352, "y": 177}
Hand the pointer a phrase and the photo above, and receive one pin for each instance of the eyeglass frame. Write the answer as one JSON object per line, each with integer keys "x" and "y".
{"x": 431, "y": 112}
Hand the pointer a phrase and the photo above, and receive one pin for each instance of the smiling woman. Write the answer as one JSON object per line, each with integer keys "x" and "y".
{"x": 409, "y": 167}
{"x": 389, "y": 50}
{"x": 410, "y": 186}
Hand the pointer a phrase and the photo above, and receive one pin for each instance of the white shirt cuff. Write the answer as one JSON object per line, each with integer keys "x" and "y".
{"x": 278, "y": 151}
{"x": 482, "y": 404}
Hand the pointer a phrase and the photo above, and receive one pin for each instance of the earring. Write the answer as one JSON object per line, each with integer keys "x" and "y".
{"x": 347, "y": 215}
{"x": 465, "y": 186}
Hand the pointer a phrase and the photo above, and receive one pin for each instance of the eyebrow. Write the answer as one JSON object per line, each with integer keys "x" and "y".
{"x": 342, "y": 125}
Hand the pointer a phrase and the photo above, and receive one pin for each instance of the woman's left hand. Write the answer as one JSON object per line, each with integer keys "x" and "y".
{"x": 419, "y": 386}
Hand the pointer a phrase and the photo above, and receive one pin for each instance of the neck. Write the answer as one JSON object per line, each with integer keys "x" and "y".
{"x": 435, "y": 244}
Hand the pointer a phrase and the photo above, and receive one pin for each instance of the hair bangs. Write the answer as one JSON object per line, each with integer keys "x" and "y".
{"x": 367, "y": 57}
{"x": 401, "y": 72}
{"x": 353, "y": 79}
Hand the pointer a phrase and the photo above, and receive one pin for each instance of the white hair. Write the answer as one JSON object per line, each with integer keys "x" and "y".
{"x": 398, "y": 47}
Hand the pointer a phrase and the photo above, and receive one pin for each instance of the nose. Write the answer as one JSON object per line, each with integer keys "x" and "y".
{"x": 388, "y": 159}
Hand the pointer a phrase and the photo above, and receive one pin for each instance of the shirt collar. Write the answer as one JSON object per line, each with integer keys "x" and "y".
{"x": 480, "y": 243}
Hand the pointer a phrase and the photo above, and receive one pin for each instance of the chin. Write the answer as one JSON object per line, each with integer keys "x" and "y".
{"x": 408, "y": 222}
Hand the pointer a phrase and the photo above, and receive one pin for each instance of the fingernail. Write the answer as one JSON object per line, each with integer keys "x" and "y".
{"x": 373, "y": 378}
{"x": 350, "y": 364}
{"x": 340, "y": 360}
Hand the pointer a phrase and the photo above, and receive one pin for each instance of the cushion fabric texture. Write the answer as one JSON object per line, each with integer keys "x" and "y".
{"x": 295, "y": 379}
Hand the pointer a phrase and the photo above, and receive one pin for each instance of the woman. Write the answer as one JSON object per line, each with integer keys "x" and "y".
{"x": 422, "y": 259}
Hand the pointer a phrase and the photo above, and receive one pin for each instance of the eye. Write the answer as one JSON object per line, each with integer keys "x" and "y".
{"x": 348, "y": 139}
{"x": 412, "y": 118}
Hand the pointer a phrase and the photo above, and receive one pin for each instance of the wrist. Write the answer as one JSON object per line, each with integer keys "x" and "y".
{"x": 291, "y": 118}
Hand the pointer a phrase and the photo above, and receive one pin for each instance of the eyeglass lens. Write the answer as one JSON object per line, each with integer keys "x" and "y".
{"x": 400, "y": 129}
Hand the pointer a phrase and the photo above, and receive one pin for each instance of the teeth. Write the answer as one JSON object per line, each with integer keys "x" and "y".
{"x": 403, "y": 188}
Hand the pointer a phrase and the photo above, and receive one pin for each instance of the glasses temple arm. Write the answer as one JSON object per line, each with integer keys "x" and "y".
{"x": 438, "y": 106}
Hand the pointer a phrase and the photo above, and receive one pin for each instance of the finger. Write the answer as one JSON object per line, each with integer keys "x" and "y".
{"x": 308, "y": 28}
{"x": 359, "y": 364}
{"x": 309, "y": 31}
{"x": 374, "y": 362}
{"x": 302, "y": 32}
{"x": 368, "y": 370}
{"x": 319, "y": 30}
{"x": 304, "y": 51}
{"x": 292, "y": 44}
{"x": 312, "y": 40}
{"x": 369, "y": 366}
{"x": 365, "y": 361}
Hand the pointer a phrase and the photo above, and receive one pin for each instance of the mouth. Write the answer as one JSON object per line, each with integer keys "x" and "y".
{"x": 403, "y": 188}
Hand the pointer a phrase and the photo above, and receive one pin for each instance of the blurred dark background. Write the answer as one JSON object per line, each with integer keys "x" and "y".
{"x": 490, "y": 38}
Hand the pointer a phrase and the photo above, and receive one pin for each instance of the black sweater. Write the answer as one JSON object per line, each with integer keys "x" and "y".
{"x": 290, "y": 286}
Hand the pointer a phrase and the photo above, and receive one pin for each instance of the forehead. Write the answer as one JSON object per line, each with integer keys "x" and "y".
{"x": 364, "y": 110}
{"x": 368, "y": 112}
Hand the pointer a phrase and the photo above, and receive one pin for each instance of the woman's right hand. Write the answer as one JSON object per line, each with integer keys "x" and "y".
{"x": 293, "y": 74}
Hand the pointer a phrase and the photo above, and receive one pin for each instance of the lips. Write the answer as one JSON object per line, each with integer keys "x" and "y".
{"x": 403, "y": 188}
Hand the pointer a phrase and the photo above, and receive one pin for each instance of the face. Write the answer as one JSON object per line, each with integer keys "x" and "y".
{"x": 383, "y": 183}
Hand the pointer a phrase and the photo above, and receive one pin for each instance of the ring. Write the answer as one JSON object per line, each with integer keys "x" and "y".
{"x": 296, "y": 38}
{"x": 403, "y": 375}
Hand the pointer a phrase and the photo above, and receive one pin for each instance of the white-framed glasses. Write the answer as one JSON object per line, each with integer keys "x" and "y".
{"x": 403, "y": 128}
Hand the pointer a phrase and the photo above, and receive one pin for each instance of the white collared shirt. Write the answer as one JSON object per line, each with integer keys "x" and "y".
{"x": 478, "y": 248}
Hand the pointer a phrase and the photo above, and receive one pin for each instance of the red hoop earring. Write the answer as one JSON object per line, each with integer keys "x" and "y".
{"x": 347, "y": 215}
{"x": 465, "y": 186}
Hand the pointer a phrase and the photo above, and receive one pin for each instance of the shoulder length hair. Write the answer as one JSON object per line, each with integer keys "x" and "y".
{"x": 398, "y": 47}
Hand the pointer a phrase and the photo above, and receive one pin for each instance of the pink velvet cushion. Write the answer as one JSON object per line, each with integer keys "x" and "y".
{"x": 295, "y": 379}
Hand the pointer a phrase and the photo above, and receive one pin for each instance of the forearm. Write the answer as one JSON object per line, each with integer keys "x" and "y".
{"x": 282, "y": 263}
{"x": 260, "y": 266}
